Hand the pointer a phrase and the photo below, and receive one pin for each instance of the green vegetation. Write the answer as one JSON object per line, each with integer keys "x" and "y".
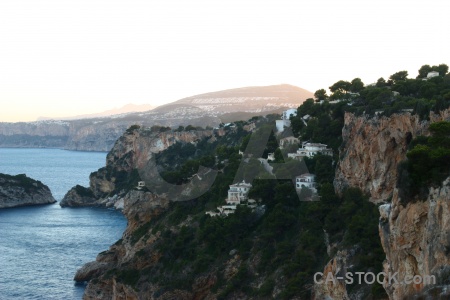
{"x": 324, "y": 125}
{"x": 385, "y": 97}
{"x": 132, "y": 128}
{"x": 83, "y": 191}
{"x": 282, "y": 245}
{"x": 129, "y": 276}
{"x": 289, "y": 238}
{"x": 21, "y": 180}
{"x": 123, "y": 180}
{"x": 428, "y": 162}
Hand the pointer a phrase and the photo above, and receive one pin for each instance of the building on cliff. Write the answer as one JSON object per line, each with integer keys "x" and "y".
{"x": 311, "y": 149}
{"x": 238, "y": 192}
{"x": 306, "y": 180}
{"x": 237, "y": 195}
{"x": 285, "y": 122}
{"x": 141, "y": 184}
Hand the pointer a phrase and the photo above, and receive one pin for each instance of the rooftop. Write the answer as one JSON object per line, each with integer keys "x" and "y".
{"x": 315, "y": 145}
{"x": 241, "y": 184}
{"x": 305, "y": 175}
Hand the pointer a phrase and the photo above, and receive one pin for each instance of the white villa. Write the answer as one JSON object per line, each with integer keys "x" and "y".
{"x": 237, "y": 195}
{"x": 238, "y": 192}
{"x": 431, "y": 75}
{"x": 306, "y": 180}
{"x": 285, "y": 122}
{"x": 311, "y": 149}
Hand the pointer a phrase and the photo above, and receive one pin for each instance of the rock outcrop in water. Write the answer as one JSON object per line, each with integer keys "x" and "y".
{"x": 21, "y": 190}
{"x": 78, "y": 196}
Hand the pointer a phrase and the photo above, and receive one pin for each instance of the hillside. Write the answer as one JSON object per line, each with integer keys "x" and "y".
{"x": 383, "y": 191}
{"x": 99, "y": 134}
{"x": 248, "y": 99}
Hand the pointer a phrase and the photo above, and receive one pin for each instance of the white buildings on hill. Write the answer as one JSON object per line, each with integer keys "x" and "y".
{"x": 311, "y": 149}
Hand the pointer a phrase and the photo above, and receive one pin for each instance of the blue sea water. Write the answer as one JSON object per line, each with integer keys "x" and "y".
{"x": 41, "y": 247}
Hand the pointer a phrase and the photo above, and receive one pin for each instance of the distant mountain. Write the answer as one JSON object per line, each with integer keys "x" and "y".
{"x": 99, "y": 133}
{"x": 128, "y": 108}
{"x": 247, "y": 99}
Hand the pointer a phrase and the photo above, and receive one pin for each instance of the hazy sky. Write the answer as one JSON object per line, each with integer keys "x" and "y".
{"x": 62, "y": 58}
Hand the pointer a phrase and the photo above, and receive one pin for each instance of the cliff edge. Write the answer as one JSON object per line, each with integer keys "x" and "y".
{"x": 131, "y": 153}
{"x": 373, "y": 147}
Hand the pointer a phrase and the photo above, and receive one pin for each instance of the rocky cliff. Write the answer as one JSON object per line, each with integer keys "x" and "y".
{"x": 21, "y": 190}
{"x": 163, "y": 253}
{"x": 140, "y": 208}
{"x": 126, "y": 164}
{"x": 137, "y": 265}
{"x": 337, "y": 266}
{"x": 372, "y": 149}
{"x": 416, "y": 240}
{"x": 415, "y": 234}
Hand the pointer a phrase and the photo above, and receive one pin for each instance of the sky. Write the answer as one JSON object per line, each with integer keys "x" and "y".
{"x": 63, "y": 58}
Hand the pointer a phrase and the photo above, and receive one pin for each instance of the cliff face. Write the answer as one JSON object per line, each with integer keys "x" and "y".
{"x": 416, "y": 240}
{"x": 20, "y": 190}
{"x": 129, "y": 269}
{"x": 372, "y": 149}
{"x": 136, "y": 266}
{"x": 139, "y": 208}
{"x": 130, "y": 153}
{"x": 84, "y": 135}
{"x": 415, "y": 237}
{"x": 329, "y": 289}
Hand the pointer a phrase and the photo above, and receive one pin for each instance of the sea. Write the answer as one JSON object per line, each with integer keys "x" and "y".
{"x": 41, "y": 247}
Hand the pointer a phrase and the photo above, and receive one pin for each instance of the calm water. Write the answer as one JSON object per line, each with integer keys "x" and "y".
{"x": 42, "y": 247}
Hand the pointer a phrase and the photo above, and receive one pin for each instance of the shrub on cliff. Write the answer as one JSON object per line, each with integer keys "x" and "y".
{"x": 132, "y": 128}
{"x": 428, "y": 163}
{"x": 83, "y": 191}
{"x": 22, "y": 180}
